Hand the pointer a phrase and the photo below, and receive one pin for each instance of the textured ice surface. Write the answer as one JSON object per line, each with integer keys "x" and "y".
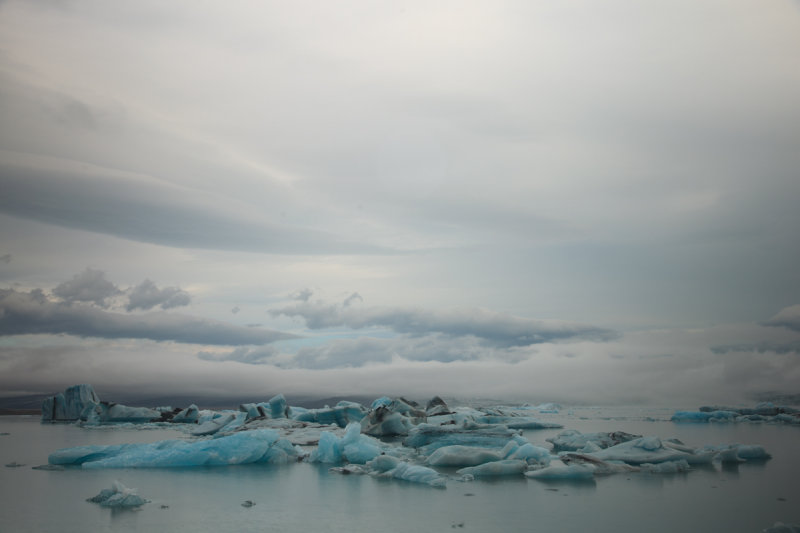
{"x": 506, "y": 467}
{"x": 416, "y": 474}
{"x": 517, "y": 422}
{"x": 571, "y": 440}
{"x": 651, "y": 450}
{"x": 105, "y": 412}
{"x": 353, "y": 447}
{"x": 118, "y": 496}
{"x": 70, "y": 404}
{"x": 190, "y": 415}
{"x": 763, "y": 412}
{"x": 574, "y": 471}
{"x": 458, "y": 455}
{"x": 341, "y": 415}
{"x": 429, "y": 437}
{"x": 240, "y": 448}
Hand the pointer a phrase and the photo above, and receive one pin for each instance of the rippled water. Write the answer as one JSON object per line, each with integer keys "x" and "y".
{"x": 303, "y": 497}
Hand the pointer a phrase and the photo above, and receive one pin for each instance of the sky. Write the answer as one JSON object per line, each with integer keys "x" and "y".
{"x": 582, "y": 202}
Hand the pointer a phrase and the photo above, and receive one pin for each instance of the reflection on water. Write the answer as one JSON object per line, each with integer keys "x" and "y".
{"x": 720, "y": 497}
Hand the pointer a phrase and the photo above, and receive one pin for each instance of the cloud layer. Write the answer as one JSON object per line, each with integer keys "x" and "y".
{"x": 32, "y": 313}
{"x": 497, "y": 329}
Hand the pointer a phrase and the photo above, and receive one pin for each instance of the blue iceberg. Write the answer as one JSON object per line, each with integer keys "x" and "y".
{"x": 118, "y": 496}
{"x": 240, "y": 448}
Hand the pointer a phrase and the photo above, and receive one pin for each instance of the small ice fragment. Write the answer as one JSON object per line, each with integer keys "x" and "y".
{"x": 118, "y": 496}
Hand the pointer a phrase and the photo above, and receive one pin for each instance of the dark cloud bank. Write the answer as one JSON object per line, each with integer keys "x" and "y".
{"x": 34, "y": 313}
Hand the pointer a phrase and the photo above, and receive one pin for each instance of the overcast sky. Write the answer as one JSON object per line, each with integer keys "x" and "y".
{"x": 551, "y": 201}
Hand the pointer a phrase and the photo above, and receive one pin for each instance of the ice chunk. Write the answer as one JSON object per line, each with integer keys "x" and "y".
{"x": 572, "y": 440}
{"x": 118, "y": 496}
{"x": 278, "y": 407}
{"x": 109, "y": 412}
{"x": 341, "y": 415}
{"x": 352, "y": 447}
{"x": 703, "y": 416}
{"x": 253, "y": 410}
{"x": 651, "y": 450}
{"x": 600, "y": 467}
{"x": 190, "y": 415}
{"x": 416, "y": 474}
{"x": 70, "y": 404}
{"x": 458, "y": 455}
{"x": 383, "y": 422}
{"x": 436, "y": 406}
{"x": 531, "y": 454}
{"x": 216, "y": 424}
{"x": 506, "y": 467}
{"x": 429, "y": 437}
{"x": 574, "y": 472}
{"x": 240, "y": 448}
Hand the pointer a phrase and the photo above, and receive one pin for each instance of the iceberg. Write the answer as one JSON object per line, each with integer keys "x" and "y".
{"x": 429, "y": 437}
{"x": 570, "y": 472}
{"x": 669, "y": 467}
{"x": 572, "y": 440}
{"x": 240, "y": 448}
{"x": 387, "y": 466}
{"x": 763, "y": 412}
{"x": 109, "y": 412}
{"x": 532, "y": 454}
{"x": 600, "y": 467}
{"x": 190, "y": 415}
{"x": 458, "y": 455}
{"x": 69, "y": 405}
{"x": 353, "y": 447}
{"x": 652, "y": 450}
{"x": 118, "y": 496}
{"x": 505, "y": 467}
{"x": 341, "y": 415}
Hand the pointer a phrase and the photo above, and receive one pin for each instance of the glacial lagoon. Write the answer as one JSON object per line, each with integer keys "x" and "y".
{"x": 297, "y": 494}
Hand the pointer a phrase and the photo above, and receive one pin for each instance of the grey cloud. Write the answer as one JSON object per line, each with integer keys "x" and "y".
{"x": 145, "y": 209}
{"x": 355, "y": 297}
{"x": 235, "y": 310}
{"x": 32, "y": 313}
{"x": 759, "y": 347}
{"x": 146, "y": 296}
{"x": 5, "y": 258}
{"x": 788, "y": 317}
{"x": 364, "y": 351}
{"x": 303, "y": 294}
{"x": 89, "y": 286}
{"x": 494, "y": 328}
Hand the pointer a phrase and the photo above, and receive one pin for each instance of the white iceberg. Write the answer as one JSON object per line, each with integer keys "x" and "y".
{"x": 652, "y": 450}
{"x": 506, "y": 467}
{"x": 572, "y": 440}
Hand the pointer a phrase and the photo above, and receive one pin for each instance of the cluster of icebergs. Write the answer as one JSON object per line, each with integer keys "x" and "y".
{"x": 392, "y": 438}
{"x": 763, "y": 412}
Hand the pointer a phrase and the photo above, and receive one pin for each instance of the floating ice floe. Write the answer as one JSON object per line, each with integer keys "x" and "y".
{"x": 763, "y": 412}
{"x": 571, "y": 440}
{"x": 481, "y": 442}
{"x": 118, "y": 496}
{"x": 353, "y": 447}
{"x": 261, "y": 446}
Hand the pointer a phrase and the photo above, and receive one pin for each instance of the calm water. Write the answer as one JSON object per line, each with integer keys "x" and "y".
{"x": 304, "y": 497}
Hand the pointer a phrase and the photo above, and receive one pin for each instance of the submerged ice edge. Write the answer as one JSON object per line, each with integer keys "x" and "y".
{"x": 477, "y": 442}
